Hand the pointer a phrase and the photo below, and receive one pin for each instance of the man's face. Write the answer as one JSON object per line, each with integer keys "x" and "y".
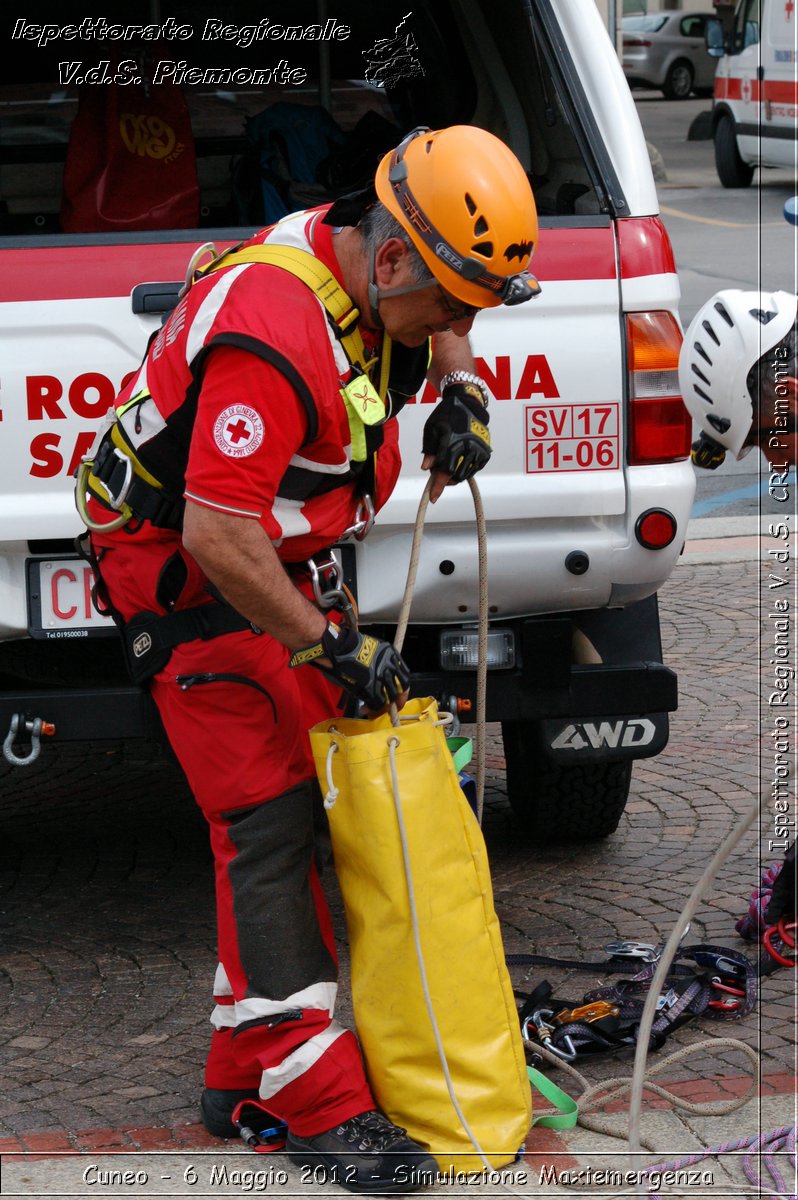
{"x": 415, "y": 316}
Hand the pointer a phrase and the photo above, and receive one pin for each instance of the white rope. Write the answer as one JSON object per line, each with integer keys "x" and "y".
{"x": 332, "y": 790}
{"x": 482, "y": 636}
{"x": 671, "y": 946}
{"x": 412, "y": 569}
{"x": 597, "y": 1095}
{"x": 482, "y": 645}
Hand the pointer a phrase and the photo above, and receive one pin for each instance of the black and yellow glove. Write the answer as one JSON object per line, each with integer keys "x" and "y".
{"x": 456, "y": 433}
{"x": 707, "y": 453}
{"x": 366, "y": 666}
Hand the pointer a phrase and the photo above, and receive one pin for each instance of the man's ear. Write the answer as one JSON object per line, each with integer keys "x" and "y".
{"x": 388, "y": 260}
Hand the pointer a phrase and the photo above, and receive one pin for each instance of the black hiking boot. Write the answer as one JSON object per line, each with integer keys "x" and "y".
{"x": 365, "y": 1154}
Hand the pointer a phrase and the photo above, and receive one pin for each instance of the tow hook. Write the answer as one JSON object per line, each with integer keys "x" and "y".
{"x": 36, "y": 729}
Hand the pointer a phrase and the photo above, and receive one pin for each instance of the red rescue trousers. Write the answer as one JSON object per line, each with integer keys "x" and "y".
{"x": 237, "y": 718}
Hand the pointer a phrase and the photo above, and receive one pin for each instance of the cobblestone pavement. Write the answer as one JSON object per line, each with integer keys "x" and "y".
{"x": 106, "y": 883}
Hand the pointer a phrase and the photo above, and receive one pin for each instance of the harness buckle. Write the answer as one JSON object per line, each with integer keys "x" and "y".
{"x": 723, "y": 966}
{"x": 117, "y": 499}
{"x": 631, "y": 949}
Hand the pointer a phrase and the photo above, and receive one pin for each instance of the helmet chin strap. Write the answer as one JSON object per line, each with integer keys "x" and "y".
{"x": 375, "y": 294}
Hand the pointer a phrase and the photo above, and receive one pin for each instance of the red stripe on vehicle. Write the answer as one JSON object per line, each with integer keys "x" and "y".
{"x": 87, "y": 272}
{"x": 90, "y": 272}
{"x": 778, "y": 91}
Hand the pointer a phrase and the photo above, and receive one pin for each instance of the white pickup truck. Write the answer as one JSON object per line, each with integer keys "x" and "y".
{"x": 590, "y": 486}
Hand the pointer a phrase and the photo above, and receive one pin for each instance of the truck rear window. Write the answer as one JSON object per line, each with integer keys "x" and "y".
{"x": 213, "y": 116}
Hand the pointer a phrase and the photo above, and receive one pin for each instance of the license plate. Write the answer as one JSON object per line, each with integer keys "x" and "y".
{"x": 59, "y": 600}
{"x": 572, "y": 437}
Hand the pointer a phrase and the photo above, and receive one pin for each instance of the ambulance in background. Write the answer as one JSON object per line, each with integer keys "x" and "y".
{"x": 756, "y": 105}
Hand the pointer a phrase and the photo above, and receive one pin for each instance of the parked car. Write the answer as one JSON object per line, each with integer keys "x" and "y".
{"x": 667, "y": 51}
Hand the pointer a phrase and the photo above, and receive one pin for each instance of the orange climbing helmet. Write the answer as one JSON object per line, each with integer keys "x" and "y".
{"x": 465, "y": 201}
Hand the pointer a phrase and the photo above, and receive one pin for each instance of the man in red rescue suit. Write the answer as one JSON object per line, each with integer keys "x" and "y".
{"x": 260, "y": 428}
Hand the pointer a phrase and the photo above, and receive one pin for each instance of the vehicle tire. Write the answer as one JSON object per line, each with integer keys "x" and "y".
{"x": 555, "y": 802}
{"x": 679, "y": 81}
{"x": 732, "y": 171}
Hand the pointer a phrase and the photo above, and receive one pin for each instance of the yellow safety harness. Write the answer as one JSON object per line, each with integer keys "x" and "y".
{"x": 113, "y": 473}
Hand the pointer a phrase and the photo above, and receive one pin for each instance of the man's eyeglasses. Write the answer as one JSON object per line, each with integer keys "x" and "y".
{"x": 453, "y": 312}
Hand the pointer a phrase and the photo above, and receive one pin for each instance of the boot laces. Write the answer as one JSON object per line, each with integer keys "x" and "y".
{"x": 372, "y": 1131}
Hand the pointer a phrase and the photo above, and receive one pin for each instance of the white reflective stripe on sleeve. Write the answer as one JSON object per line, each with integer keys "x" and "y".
{"x": 274, "y": 1079}
{"x": 208, "y": 310}
{"x": 228, "y": 508}
{"x": 309, "y": 464}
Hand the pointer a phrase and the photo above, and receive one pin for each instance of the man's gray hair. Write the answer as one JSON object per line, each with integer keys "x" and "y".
{"x": 378, "y": 225}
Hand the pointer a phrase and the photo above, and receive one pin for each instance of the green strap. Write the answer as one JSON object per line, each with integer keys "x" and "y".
{"x": 568, "y": 1108}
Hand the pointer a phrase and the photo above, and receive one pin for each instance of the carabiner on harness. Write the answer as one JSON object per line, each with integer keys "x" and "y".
{"x": 193, "y": 263}
{"x": 363, "y": 523}
{"x": 81, "y": 491}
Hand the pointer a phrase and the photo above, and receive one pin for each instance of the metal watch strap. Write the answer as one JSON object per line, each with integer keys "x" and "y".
{"x": 465, "y": 377}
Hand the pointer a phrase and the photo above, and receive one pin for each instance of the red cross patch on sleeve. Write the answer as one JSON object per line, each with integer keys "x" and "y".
{"x": 238, "y": 431}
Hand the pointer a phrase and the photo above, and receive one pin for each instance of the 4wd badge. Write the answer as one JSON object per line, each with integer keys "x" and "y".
{"x": 602, "y": 735}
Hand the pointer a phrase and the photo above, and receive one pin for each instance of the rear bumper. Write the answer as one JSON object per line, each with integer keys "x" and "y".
{"x": 635, "y": 689}
{"x": 84, "y": 714}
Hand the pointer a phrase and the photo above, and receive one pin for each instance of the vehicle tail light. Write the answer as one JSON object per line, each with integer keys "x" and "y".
{"x": 632, "y": 41}
{"x": 660, "y": 429}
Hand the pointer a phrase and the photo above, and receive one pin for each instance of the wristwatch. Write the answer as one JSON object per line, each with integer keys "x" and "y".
{"x": 465, "y": 377}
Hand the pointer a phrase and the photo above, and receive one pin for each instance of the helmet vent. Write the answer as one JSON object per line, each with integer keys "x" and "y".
{"x": 485, "y": 248}
{"x": 722, "y": 424}
{"x": 720, "y": 309}
{"x": 700, "y": 374}
{"x": 470, "y": 205}
{"x": 481, "y": 227}
{"x": 699, "y": 349}
{"x": 711, "y": 332}
{"x": 700, "y": 392}
{"x": 763, "y": 317}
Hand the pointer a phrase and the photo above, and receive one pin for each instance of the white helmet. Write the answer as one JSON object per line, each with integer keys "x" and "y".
{"x": 724, "y": 340}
